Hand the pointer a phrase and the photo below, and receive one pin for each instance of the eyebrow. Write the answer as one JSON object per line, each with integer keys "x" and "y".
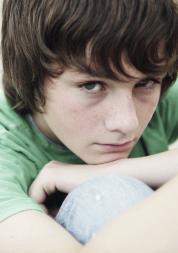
{"x": 148, "y": 78}
{"x": 92, "y": 73}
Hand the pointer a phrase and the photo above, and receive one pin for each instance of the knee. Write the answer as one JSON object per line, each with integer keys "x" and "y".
{"x": 97, "y": 201}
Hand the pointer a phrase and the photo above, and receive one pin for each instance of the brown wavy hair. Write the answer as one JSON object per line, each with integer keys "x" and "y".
{"x": 88, "y": 34}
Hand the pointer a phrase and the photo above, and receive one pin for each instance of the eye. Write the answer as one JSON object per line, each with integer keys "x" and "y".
{"x": 148, "y": 84}
{"x": 92, "y": 87}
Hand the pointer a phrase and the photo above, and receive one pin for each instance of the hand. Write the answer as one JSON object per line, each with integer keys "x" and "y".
{"x": 62, "y": 177}
{"x": 56, "y": 176}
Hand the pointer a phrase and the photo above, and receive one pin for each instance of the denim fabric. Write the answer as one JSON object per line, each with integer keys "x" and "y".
{"x": 96, "y": 202}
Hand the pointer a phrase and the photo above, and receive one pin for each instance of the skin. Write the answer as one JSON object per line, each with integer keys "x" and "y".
{"x": 123, "y": 100}
{"x": 91, "y": 119}
{"x": 160, "y": 212}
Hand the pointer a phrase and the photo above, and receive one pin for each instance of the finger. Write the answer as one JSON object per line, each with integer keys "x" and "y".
{"x": 44, "y": 208}
{"x": 37, "y": 192}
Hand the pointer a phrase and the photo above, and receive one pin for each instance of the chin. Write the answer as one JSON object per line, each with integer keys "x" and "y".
{"x": 106, "y": 159}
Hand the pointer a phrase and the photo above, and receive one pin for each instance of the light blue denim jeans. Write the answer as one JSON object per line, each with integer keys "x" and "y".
{"x": 96, "y": 202}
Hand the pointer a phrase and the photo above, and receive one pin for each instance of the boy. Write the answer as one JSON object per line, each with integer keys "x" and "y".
{"x": 84, "y": 79}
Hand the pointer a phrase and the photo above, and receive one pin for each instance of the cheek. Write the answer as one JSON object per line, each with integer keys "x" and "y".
{"x": 84, "y": 120}
{"x": 74, "y": 116}
{"x": 146, "y": 109}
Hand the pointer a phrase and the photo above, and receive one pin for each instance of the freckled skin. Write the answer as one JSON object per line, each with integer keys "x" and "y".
{"x": 83, "y": 118}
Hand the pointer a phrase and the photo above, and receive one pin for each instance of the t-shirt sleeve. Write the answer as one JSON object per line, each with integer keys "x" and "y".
{"x": 16, "y": 174}
{"x": 169, "y": 113}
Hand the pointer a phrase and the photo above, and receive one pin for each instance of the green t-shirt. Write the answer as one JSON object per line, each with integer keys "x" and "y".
{"x": 24, "y": 150}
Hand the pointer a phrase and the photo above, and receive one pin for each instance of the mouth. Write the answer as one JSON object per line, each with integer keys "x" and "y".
{"x": 113, "y": 148}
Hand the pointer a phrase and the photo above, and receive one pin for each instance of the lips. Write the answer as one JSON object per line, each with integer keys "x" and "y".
{"x": 112, "y": 148}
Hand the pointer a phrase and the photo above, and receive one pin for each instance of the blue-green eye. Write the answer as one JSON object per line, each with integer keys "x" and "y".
{"x": 147, "y": 84}
{"x": 92, "y": 87}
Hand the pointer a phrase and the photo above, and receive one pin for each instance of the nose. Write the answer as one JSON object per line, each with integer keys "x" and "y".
{"x": 122, "y": 115}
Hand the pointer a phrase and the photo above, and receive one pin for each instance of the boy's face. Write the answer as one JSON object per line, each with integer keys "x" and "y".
{"x": 100, "y": 120}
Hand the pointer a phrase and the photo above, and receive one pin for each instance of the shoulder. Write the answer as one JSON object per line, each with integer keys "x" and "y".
{"x": 170, "y": 99}
{"x": 168, "y": 111}
{"x": 13, "y": 127}
{"x": 162, "y": 130}
{"x": 18, "y": 137}
{"x": 8, "y": 117}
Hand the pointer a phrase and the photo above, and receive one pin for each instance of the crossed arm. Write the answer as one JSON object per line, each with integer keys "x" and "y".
{"x": 151, "y": 226}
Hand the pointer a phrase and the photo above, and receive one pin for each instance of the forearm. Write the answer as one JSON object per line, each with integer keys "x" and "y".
{"x": 32, "y": 231}
{"x": 158, "y": 169}
{"x": 154, "y": 170}
{"x": 150, "y": 227}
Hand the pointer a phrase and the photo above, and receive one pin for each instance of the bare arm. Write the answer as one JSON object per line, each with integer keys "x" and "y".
{"x": 154, "y": 170}
{"x": 150, "y": 227}
{"x": 33, "y": 231}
